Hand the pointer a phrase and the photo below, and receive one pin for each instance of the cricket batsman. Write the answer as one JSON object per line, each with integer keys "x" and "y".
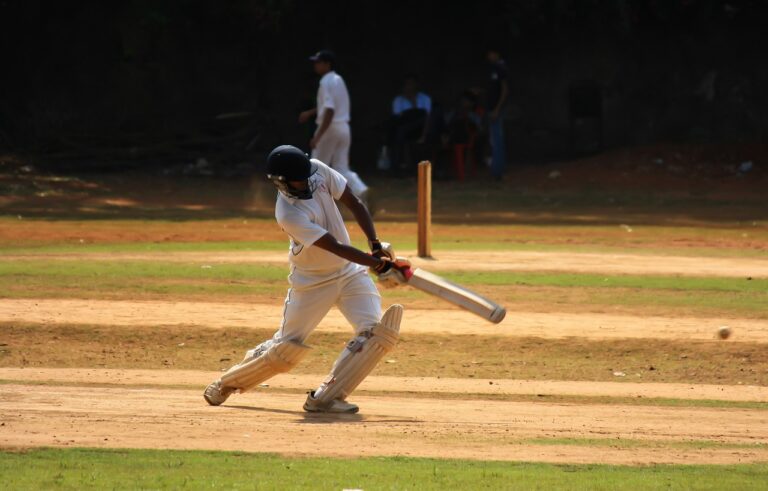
{"x": 325, "y": 270}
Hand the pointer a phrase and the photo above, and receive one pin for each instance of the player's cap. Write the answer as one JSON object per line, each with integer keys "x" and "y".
{"x": 288, "y": 163}
{"x": 324, "y": 55}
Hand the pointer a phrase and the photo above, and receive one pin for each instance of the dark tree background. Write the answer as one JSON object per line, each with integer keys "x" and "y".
{"x": 138, "y": 74}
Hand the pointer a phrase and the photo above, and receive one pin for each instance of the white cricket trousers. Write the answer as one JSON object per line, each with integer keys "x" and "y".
{"x": 354, "y": 294}
{"x": 333, "y": 150}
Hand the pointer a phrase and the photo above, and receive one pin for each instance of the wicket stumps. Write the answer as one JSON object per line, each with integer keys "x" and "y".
{"x": 424, "y": 209}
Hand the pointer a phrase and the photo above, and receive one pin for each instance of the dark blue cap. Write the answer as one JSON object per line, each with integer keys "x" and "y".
{"x": 324, "y": 55}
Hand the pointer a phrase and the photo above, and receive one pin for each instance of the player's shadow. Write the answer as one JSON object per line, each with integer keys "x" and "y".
{"x": 305, "y": 417}
{"x": 326, "y": 418}
{"x": 314, "y": 418}
{"x": 268, "y": 410}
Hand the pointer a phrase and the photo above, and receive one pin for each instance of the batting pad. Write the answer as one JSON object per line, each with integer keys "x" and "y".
{"x": 360, "y": 358}
{"x": 279, "y": 358}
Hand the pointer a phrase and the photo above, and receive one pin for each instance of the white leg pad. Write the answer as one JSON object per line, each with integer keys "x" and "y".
{"x": 360, "y": 357}
{"x": 278, "y": 358}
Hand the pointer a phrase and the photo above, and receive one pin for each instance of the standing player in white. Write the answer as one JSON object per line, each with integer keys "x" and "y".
{"x": 325, "y": 271}
{"x": 332, "y": 138}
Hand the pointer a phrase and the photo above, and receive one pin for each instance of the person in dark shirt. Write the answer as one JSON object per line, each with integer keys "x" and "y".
{"x": 461, "y": 131}
{"x": 496, "y": 95}
{"x": 409, "y": 123}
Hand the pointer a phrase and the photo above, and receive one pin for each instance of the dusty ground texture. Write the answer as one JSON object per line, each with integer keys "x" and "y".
{"x": 379, "y": 383}
{"x": 388, "y": 425}
{"x": 438, "y": 321}
{"x": 548, "y": 384}
{"x": 410, "y": 416}
{"x": 477, "y": 412}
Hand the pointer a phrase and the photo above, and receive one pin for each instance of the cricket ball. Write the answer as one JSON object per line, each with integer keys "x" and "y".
{"x": 724, "y": 332}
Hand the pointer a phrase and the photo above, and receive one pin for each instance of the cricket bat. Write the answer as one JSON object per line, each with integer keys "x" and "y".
{"x": 455, "y": 294}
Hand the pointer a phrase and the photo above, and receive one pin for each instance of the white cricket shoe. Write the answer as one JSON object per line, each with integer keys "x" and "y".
{"x": 312, "y": 405}
{"x": 215, "y": 394}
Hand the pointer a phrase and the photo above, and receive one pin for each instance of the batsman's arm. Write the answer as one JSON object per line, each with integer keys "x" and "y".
{"x": 329, "y": 243}
{"x": 362, "y": 215}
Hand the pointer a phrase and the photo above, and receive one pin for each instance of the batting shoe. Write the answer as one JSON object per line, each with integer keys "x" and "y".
{"x": 338, "y": 406}
{"x": 215, "y": 394}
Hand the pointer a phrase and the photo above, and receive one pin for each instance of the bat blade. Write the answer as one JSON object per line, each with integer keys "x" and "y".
{"x": 457, "y": 295}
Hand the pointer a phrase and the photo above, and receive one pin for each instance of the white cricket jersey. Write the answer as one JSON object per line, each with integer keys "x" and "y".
{"x": 332, "y": 94}
{"x": 306, "y": 220}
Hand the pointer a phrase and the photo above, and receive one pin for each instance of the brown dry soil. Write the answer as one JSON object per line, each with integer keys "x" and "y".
{"x": 440, "y": 394}
{"x": 694, "y": 182}
{"x": 511, "y": 356}
{"x": 542, "y": 386}
{"x": 270, "y": 421}
{"x": 734, "y": 236}
{"x": 439, "y": 386}
{"x": 553, "y": 325}
{"x": 593, "y": 421}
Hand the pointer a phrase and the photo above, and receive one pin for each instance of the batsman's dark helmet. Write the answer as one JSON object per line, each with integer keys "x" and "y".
{"x": 287, "y": 163}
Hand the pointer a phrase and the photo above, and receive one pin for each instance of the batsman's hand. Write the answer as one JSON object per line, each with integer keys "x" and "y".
{"x": 381, "y": 249}
{"x": 393, "y": 273}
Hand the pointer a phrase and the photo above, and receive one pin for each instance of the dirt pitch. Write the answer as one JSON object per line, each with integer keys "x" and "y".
{"x": 412, "y": 416}
{"x": 625, "y": 421}
{"x": 410, "y": 426}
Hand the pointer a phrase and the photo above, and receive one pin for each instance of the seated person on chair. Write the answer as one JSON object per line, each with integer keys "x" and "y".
{"x": 410, "y": 120}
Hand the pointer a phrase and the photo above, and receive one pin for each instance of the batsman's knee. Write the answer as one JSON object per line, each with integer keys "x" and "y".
{"x": 266, "y": 361}
{"x": 362, "y": 354}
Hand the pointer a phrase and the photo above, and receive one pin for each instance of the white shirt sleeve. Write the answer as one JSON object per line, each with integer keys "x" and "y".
{"x": 336, "y": 182}
{"x": 301, "y": 229}
{"x": 327, "y": 88}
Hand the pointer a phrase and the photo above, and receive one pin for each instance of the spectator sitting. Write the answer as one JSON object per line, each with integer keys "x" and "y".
{"x": 410, "y": 122}
{"x": 462, "y": 129}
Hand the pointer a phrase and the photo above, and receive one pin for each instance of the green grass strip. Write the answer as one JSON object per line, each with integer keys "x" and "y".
{"x": 171, "y": 469}
{"x": 146, "y": 247}
{"x": 401, "y": 243}
{"x": 144, "y": 269}
{"x": 590, "y": 280}
{"x": 274, "y": 272}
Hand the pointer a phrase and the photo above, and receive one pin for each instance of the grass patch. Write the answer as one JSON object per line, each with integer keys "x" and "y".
{"x": 586, "y": 280}
{"x": 147, "y": 247}
{"x": 545, "y": 292}
{"x": 519, "y": 298}
{"x": 273, "y": 272}
{"x": 431, "y": 355}
{"x": 144, "y": 269}
{"x": 53, "y": 236}
{"x": 172, "y": 469}
{"x": 404, "y": 242}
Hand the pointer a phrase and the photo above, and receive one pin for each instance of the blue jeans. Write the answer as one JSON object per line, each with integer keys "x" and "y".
{"x": 498, "y": 155}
